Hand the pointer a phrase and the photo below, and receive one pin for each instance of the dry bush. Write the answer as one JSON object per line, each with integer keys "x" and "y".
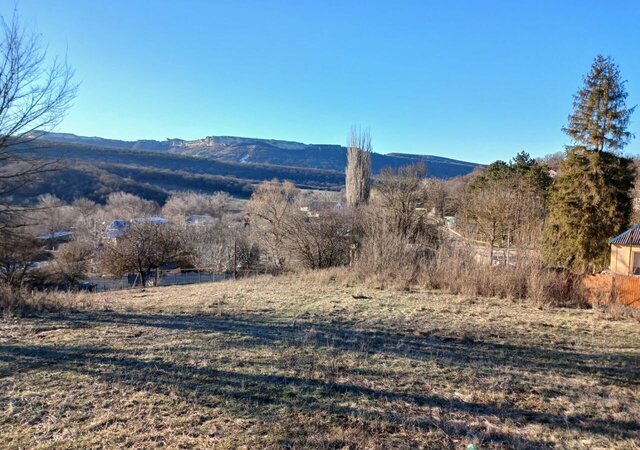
{"x": 457, "y": 270}
{"x": 19, "y": 302}
{"x": 394, "y": 237}
{"x": 71, "y": 263}
{"x": 385, "y": 254}
{"x": 615, "y": 310}
{"x": 17, "y": 253}
{"x": 247, "y": 254}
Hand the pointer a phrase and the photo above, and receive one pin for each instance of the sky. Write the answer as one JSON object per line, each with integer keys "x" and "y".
{"x": 471, "y": 80}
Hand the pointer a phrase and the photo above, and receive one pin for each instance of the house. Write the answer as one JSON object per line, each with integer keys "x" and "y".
{"x": 117, "y": 228}
{"x": 625, "y": 252}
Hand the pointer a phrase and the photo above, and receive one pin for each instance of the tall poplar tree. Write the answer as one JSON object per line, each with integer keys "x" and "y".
{"x": 590, "y": 199}
{"x": 358, "y": 171}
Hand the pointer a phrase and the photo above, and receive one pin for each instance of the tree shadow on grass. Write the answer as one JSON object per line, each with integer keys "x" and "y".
{"x": 264, "y": 396}
{"x": 617, "y": 368}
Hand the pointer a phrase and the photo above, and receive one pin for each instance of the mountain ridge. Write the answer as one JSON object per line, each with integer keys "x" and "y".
{"x": 235, "y": 149}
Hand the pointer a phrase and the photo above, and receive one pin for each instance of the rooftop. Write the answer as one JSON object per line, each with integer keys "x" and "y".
{"x": 629, "y": 237}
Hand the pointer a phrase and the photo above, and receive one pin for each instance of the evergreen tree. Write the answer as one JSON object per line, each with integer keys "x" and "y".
{"x": 600, "y": 116}
{"x": 590, "y": 199}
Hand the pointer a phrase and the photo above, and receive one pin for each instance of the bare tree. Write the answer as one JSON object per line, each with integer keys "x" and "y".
{"x": 122, "y": 205}
{"x": 71, "y": 262}
{"x": 270, "y": 207}
{"x": 210, "y": 246}
{"x": 402, "y": 191}
{"x": 18, "y": 253}
{"x": 358, "y": 173}
{"x": 182, "y": 204}
{"x": 51, "y": 215}
{"x": 143, "y": 248}
{"x": 34, "y": 96}
{"x": 317, "y": 241}
{"x": 89, "y": 217}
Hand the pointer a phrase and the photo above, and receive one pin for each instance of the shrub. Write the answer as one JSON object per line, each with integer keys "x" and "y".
{"x": 19, "y": 302}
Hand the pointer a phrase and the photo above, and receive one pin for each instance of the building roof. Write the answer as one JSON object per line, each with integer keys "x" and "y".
{"x": 56, "y": 235}
{"x": 200, "y": 218}
{"x": 157, "y": 220}
{"x": 629, "y": 237}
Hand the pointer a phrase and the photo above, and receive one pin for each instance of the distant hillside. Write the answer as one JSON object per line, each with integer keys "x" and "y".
{"x": 93, "y": 171}
{"x": 93, "y": 167}
{"x": 239, "y": 150}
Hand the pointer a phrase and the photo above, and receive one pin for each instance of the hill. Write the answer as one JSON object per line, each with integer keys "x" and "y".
{"x": 240, "y": 150}
{"x": 93, "y": 171}
{"x": 93, "y": 167}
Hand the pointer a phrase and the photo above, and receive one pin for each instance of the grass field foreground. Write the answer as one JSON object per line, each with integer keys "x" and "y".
{"x": 301, "y": 363}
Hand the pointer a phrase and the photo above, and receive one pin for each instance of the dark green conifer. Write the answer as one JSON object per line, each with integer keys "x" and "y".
{"x": 590, "y": 199}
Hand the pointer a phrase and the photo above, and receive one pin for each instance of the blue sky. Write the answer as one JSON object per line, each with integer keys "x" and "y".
{"x": 473, "y": 80}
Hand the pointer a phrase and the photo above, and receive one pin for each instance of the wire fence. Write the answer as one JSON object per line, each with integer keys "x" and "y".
{"x": 164, "y": 278}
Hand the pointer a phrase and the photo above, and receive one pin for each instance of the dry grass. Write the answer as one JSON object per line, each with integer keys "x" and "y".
{"x": 20, "y": 302}
{"x": 284, "y": 362}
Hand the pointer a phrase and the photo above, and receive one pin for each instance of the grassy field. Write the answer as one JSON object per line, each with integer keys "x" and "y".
{"x": 283, "y": 362}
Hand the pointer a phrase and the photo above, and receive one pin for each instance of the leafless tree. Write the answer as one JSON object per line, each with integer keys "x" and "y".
{"x": 270, "y": 207}
{"x": 317, "y": 241}
{"x": 51, "y": 215}
{"x": 143, "y": 248}
{"x": 71, "y": 262}
{"x": 182, "y": 204}
{"x": 358, "y": 172}
{"x": 210, "y": 246}
{"x": 503, "y": 212}
{"x": 35, "y": 93}
{"x": 89, "y": 217}
{"x": 18, "y": 253}
{"x": 487, "y": 212}
{"x": 402, "y": 191}
{"x": 122, "y": 205}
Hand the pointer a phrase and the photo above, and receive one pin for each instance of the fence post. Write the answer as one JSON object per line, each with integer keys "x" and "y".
{"x": 235, "y": 259}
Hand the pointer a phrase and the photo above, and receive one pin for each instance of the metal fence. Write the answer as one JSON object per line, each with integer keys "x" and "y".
{"x": 165, "y": 278}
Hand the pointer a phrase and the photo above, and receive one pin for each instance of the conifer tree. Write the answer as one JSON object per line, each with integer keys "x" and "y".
{"x": 600, "y": 116}
{"x": 590, "y": 199}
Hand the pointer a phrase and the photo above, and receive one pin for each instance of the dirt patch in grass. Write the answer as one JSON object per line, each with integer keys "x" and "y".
{"x": 298, "y": 363}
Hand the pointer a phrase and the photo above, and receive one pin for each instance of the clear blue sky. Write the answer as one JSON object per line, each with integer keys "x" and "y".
{"x": 474, "y": 80}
